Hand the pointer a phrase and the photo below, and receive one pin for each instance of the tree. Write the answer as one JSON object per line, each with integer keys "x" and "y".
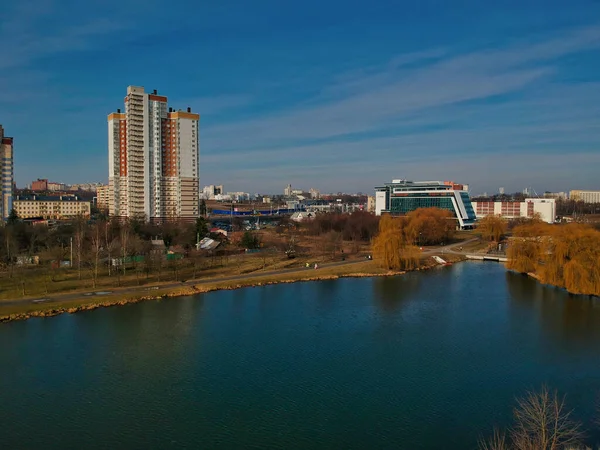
{"x": 566, "y": 256}
{"x": 430, "y": 226}
{"x": 541, "y": 422}
{"x": 492, "y": 227}
{"x": 202, "y": 207}
{"x": 201, "y": 227}
{"x": 13, "y": 217}
{"x": 250, "y": 240}
{"x": 97, "y": 239}
{"x": 80, "y": 228}
{"x": 333, "y": 241}
{"x": 391, "y": 247}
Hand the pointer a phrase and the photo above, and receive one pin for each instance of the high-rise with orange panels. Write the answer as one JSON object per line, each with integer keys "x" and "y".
{"x": 153, "y": 159}
{"x": 6, "y": 175}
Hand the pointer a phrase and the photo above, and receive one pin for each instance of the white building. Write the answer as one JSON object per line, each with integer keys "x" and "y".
{"x": 239, "y": 196}
{"x": 288, "y": 191}
{"x": 545, "y": 207}
{"x": 210, "y": 192}
{"x": 6, "y": 174}
{"x": 153, "y": 159}
{"x": 585, "y": 196}
{"x": 557, "y": 195}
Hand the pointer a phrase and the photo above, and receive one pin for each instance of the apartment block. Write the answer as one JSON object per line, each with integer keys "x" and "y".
{"x": 153, "y": 159}
{"x": 6, "y": 174}
{"x": 544, "y": 207}
{"x": 57, "y": 208}
{"x": 102, "y": 197}
{"x": 585, "y": 196}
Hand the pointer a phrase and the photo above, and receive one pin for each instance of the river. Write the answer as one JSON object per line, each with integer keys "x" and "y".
{"x": 426, "y": 360}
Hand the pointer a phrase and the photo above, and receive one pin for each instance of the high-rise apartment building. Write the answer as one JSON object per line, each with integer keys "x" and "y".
{"x": 6, "y": 174}
{"x": 153, "y": 159}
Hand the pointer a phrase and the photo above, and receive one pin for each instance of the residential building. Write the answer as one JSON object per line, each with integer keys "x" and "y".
{"x": 370, "y": 203}
{"x": 46, "y": 207}
{"x": 556, "y": 195}
{"x": 544, "y": 207}
{"x": 287, "y": 192}
{"x": 585, "y": 196}
{"x": 210, "y": 192}
{"x": 6, "y": 174}
{"x": 239, "y": 196}
{"x": 41, "y": 184}
{"x": 102, "y": 197}
{"x": 314, "y": 193}
{"x": 52, "y": 186}
{"x": 83, "y": 187}
{"x": 153, "y": 159}
{"x": 401, "y": 197}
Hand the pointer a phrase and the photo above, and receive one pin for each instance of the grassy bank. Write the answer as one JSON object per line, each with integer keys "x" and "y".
{"x": 27, "y": 309}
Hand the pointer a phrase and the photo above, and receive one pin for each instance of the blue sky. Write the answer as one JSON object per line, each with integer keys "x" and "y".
{"x": 336, "y": 95}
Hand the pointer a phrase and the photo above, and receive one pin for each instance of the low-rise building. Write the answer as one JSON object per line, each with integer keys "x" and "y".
{"x": 544, "y": 207}
{"x": 557, "y": 195}
{"x": 52, "y": 186}
{"x": 401, "y": 197}
{"x": 585, "y": 196}
{"x": 62, "y": 207}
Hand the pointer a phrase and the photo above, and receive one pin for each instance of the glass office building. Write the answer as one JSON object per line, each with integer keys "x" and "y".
{"x": 401, "y": 196}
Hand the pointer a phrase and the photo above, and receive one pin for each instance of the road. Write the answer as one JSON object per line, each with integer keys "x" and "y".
{"x": 140, "y": 289}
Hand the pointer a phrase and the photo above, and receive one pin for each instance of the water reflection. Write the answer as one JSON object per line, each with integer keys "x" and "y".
{"x": 389, "y": 293}
{"x": 565, "y": 318}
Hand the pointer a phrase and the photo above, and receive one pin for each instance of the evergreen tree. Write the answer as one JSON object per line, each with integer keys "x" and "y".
{"x": 13, "y": 217}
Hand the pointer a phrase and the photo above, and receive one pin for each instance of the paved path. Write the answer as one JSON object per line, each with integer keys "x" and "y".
{"x": 149, "y": 289}
{"x": 140, "y": 289}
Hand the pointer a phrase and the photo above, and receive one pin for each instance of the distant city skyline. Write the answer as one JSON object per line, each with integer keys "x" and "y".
{"x": 316, "y": 94}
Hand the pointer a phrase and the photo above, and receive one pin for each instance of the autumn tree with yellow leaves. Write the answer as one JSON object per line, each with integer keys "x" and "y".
{"x": 392, "y": 247}
{"x": 492, "y": 227}
{"x": 430, "y": 226}
{"x": 567, "y": 256}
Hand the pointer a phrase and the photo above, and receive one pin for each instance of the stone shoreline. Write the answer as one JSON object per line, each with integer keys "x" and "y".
{"x": 198, "y": 289}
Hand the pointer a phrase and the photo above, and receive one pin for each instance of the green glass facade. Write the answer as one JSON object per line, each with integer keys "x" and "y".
{"x": 403, "y": 205}
{"x": 400, "y": 198}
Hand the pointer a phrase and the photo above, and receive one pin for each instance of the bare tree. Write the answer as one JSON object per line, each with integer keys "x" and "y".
{"x": 97, "y": 239}
{"x": 497, "y": 442}
{"x": 79, "y": 233}
{"x": 124, "y": 235}
{"x": 542, "y": 422}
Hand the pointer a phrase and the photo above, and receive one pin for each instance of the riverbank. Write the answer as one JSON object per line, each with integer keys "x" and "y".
{"x": 23, "y": 311}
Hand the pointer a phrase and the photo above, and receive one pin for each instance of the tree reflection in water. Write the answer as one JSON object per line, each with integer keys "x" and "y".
{"x": 390, "y": 293}
{"x": 567, "y": 319}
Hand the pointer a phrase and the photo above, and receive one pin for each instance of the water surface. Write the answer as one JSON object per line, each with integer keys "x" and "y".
{"x": 425, "y": 360}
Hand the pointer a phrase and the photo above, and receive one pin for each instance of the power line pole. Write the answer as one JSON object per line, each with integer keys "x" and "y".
{"x": 71, "y": 260}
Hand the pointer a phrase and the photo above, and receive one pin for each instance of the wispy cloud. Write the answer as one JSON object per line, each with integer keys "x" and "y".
{"x": 493, "y": 100}
{"x": 31, "y": 33}
{"x": 216, "y": 104}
